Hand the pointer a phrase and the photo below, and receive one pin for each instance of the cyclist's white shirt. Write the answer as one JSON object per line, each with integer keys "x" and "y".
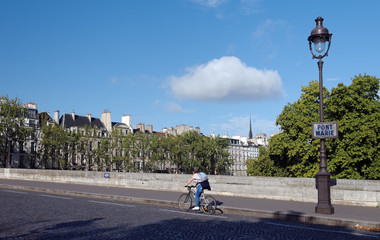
{"x": 200, "y": 177}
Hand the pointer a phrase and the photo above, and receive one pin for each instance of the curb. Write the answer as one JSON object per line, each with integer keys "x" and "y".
{"x": 303, "y": 218}
{"x": 287, "y": 216}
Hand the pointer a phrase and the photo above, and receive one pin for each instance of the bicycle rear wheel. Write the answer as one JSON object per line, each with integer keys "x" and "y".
{"x": 185, "y": 202}
{"x": 209, "y": 206}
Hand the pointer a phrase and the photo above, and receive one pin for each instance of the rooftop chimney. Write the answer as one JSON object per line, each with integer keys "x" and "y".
{"x": 56, "y": 116}
{"x": 89, "y": 117}
{"x": 149, "y": 128}
{"x": 141, "y": 127}
{"x": 126, "y": 119}
{"x": 106, "y": 120}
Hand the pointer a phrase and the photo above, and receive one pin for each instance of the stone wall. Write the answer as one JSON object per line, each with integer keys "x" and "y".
{"x": 349, "y": 192}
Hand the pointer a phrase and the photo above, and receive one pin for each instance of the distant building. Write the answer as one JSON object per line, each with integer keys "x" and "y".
{"x": 242, "y": 148}
{"x": 104, "y": 124}
{"x": 260, "y": 139}
{"x": 240, "y": 151}
{"x": 250, "y": 135}
{"x": 180, "y": 129}
{"x": 74, "y": 122}
{"x": 125, "y": 124}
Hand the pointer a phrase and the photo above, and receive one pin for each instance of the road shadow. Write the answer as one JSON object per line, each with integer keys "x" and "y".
{"x": 191, "y": 227}
{"x": 74, "y": 223}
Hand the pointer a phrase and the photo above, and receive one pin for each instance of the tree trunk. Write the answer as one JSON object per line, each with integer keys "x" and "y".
{"x": 8, "y": 161}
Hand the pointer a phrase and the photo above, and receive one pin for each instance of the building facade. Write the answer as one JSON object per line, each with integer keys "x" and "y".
{"x": 240, "y": 151}
{"x": 242, "y": 148}
{"x": 28, "y": 154}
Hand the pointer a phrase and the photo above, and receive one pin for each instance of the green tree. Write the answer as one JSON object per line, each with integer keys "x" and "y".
{"x": 220, "y": 158}
{"x": 104, "y": 154}
{"x": 165, "y": 162}
{"x": 178, "y": 153}
{"x": 53, "y": 142}
{"x": 84, "y": 142}
{"x": 73, "y": 149}
{"x": 264, "y": 165}
{"x": 157, "y": 158}
{"x": 213, "y": 155}
{"x": 12, "y": 127}
{"x": 116, "y": 139}
{"x": 355, "y": 154}
{"x": 191, "y": 143}
{"x": 128, "y": 142}
{"x": 208, "y": 154}
{"x": 141, "y": 148}
{"x": 294, "y": 150}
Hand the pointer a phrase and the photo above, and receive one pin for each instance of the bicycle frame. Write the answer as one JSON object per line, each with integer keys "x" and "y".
{"x": 202, "y": 199}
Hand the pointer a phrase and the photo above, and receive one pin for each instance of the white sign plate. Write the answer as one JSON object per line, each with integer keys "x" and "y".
{"x": 322, "y": 130}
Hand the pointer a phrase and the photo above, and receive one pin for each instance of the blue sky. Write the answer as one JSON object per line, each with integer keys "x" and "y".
{"x": 205, "y": 63}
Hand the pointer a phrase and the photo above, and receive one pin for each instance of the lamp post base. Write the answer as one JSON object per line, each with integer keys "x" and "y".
{"x": 327, "y": 209}
{"x": 324, "y": 201}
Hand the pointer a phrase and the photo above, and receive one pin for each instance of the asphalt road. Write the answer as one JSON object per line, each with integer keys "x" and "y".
{"x": 38, "y": 215}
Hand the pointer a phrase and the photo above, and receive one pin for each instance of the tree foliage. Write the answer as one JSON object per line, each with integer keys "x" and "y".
{"x": 264, "y": 165}
{"x": 53, "y": 148}
{"x": 355, "y": 154}
{"x": 12, "y": 126}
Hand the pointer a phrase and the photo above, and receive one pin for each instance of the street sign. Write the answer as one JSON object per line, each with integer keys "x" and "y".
{"x": 322, "y": 130}
{"x": 107, "y": 175}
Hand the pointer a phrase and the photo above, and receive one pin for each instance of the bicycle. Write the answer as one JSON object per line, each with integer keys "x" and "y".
{"x": 206, "y": 202}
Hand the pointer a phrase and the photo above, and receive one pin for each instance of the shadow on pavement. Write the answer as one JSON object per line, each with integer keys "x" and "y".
{"x": 195, "y": 228}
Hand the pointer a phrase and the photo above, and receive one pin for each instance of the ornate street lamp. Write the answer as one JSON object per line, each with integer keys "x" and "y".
{"x": 319, "y": 37}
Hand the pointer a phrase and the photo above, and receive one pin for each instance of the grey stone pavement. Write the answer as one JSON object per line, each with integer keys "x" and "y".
{"x": 345, "y": 215}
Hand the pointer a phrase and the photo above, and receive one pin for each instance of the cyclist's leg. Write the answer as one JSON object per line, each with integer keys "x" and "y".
{"x": 197, "y": 194}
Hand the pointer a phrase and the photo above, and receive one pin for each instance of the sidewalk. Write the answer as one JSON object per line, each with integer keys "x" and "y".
{"x": 346, "y": 216}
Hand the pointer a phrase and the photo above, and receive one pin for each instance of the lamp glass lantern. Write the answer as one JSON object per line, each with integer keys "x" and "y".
{"x": 319, "y": 37}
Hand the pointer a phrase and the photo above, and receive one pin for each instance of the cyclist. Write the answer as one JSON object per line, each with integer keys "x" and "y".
{"x": 201, "y": 180}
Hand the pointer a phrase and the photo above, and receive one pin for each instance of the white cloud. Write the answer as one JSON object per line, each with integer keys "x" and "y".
{"x": 266, "y": 34}
{"x": 265, "y": 29}
{"x": 235, "y": 126}
{"x": 227, "y": 79}
{"x": 209, "y": 3}
{"x": 250, "y": 6}
{"x": 173, "y": 107}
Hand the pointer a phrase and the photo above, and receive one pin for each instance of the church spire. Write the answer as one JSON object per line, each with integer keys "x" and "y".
{"x": 250, "y": 136}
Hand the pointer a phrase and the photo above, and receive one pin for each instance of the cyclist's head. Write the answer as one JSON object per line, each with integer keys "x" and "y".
{"x": 195, "y": 169}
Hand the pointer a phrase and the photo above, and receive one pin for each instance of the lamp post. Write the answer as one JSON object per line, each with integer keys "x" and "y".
{"x": 319, "y": 37}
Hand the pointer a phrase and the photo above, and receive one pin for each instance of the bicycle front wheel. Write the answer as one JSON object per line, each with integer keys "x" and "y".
{"x": 185, "y": 202}
{"x": 209, "y": 206}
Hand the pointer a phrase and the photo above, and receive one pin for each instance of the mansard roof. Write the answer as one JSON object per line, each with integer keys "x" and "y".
{"x": 118, "y": 124}
{"x": 80, "y": 121}
{"x": 44, "y": 116}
